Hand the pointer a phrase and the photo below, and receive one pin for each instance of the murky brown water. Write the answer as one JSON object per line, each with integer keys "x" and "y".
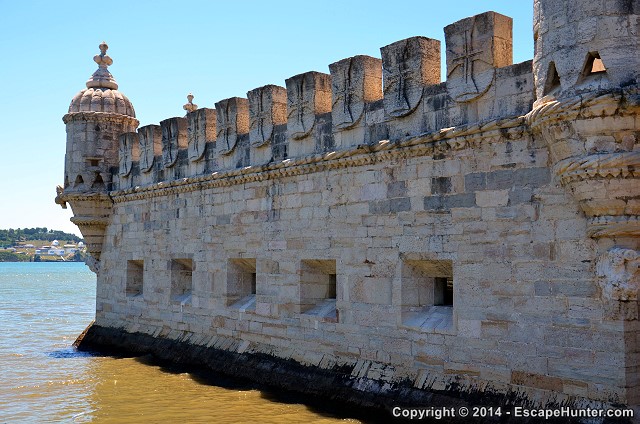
{"x": 44, "y": 306}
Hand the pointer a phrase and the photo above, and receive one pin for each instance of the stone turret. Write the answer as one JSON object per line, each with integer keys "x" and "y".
{"x": 96, "y": 117}
{"x": 587, "y": 73}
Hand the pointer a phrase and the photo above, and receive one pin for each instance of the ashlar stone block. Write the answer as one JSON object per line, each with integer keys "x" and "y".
{"x": 354, "y": 81}
{"x": 267, "y": 108}
{"x": 201, "y": 129}
{"x": 150, "y": 145}
{"x": 308, "y": 95}
{"x": 128, "y": 152}
{"x": 174, "y": 138}
{"x": 475, "y": 47}
{"x": 408, "y": 66}
{"x": 232, "y": 120}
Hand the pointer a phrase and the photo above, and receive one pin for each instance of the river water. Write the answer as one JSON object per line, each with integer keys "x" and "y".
{"x": 44, "y": 306}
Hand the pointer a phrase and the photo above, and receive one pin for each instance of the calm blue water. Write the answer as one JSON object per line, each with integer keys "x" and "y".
{"x": 43, "y": 307}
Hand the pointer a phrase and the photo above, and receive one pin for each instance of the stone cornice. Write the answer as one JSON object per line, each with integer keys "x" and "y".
{"x": 614, "y": 226}
{"x": 90, "y": 221}
{"x": 72, "y": 196}
{"x": 100, "y": 117}
{"x": 598, "y": 103}
{"x": 457, "y": 138}
{"x": 604, "y": 165}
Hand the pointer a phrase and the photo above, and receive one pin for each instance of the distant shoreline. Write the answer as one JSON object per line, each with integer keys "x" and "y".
{"x": 41, "y": 261}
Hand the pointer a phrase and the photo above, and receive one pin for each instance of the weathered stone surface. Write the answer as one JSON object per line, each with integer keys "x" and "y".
{"x": 150, "y": 145}
{"x": 201, "y": 129}
{"x": 475, "y": 47}
{"x": 308, "y": 95}
{"x": 232, "y": 121}
{"x": 354, "y": 82}
{"x": 267, "y": 109}
{"x": 409, "y": 65}
{"x": 174, "y": 138}
{"x": 129, "y": 151}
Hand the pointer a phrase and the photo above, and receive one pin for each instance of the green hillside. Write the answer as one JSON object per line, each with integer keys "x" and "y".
{"x": 12, "y": 236}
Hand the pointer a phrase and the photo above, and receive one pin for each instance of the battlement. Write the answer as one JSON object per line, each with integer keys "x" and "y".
{"x": 363, "y": 101}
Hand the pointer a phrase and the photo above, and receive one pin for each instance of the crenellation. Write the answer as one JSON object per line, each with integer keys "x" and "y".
{"x": 479, "y": 232}
{"x": 408, "y": 66}
{"x": 174, "y": 139}
{"x": 476, "y": 46}
{"x": 128, "y": 153}
{"x": 324, "y": 112}
{"x": 355, "y": 83}
{"x": 150, "y": 137}
{"x": 308, "y": 95}
{"x": 267, "y": 110}
{"x": 201, "y": 129}
{"x": 232, "y": 122}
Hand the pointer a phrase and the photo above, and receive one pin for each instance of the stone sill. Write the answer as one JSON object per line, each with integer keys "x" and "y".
{"x": 182, "y": 300}
{"x": 431, "y": 319}
{"x": 325, "y": 311}
{"x": 246, "y": 304}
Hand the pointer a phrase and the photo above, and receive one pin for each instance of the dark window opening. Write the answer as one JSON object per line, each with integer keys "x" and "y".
{"x": 241, "y": 279}
{"x": 593, "y": 65}
{"x": 98, "y": 182}
{"x": 181, "y": 279}
{"x": 553, "y": 79}
{"x": 443, "y": 291}
{"x": 318, "y": 286}
{"x": 135, "y": 273}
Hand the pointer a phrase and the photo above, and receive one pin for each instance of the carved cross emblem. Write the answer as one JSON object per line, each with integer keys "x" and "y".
{"x": 267, "y": 107}
{"x": 472, "y": 52}
{"x": 344, "y": 94}
{"x": 196, "y": 134}
{"x": 307, "y": 95}
{"x": 301, "y": 104}
{"x": 128, "y": 152}
{"x": 147, "y": 151}
{"x": 261, "y": 117}
{"x": 124, "y": 156}
{"x": 401, "y": 77}
{"x": 466, "y": 58}
{"x": 226, "y": 130}
{"x": 398, "y": 78}
{"x": 408, "y": 66}
{"x": 169, "y": 142}
{"x": 347, "y": 77}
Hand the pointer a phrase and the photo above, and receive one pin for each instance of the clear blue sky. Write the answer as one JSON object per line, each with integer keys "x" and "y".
{"x": 164, "y": 50}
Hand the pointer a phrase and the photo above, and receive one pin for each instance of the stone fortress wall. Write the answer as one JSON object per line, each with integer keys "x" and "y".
{"x": 479, "y": 233}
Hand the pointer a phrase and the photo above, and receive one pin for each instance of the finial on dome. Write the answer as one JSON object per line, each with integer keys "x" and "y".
{"x": 190, "y": 107}
{"x": 102, "y": 78}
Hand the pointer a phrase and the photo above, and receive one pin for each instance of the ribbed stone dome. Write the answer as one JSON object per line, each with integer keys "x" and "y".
{"x": 101, "y": 94}
{"x": 102, "y": 100}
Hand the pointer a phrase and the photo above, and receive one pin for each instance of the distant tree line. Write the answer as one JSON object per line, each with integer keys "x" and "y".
{"x": 12, "y": 236}
{"x": 12, "y": 257}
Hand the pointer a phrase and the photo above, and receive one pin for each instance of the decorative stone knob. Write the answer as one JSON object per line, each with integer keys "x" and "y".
{"x": 102, "y": 78}
{"x": 102, "y": 59}
{"x": 190, "y": 106}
